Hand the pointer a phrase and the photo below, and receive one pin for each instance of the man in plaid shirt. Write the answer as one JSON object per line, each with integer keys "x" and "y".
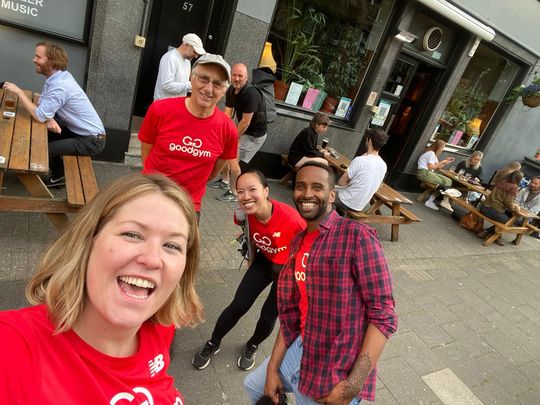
{"x": 335, "y": 303}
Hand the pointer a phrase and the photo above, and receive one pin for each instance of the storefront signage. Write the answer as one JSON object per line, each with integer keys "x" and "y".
{"x": 63, "y": 18}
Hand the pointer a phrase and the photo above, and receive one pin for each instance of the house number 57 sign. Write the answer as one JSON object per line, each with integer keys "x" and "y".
{"x": 187, "y": 6}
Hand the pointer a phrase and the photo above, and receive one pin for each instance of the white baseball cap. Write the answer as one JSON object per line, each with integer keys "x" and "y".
{"x": 216, "y": 60}
{"x": 195, "y": 42}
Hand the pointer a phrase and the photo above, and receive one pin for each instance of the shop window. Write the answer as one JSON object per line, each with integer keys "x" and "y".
{"x": 323, "y": 50}
{"x": 481, "y": 90}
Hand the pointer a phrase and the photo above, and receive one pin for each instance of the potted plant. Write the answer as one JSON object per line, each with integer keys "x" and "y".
{"x": 465, "y": 105}
{"x": 299, "y": 54}
{"x": 344, "y": 64}
{"x": 529, "y": 94}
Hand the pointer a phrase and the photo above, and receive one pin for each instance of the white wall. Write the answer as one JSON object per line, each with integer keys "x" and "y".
{"x": 520, "y": 19}
{"x": 259, "y": 9}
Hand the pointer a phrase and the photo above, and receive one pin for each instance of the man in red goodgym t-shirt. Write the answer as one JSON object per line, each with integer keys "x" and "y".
{"x": 187, "y": 138}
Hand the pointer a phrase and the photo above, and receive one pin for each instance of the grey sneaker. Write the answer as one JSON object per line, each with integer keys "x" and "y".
{"x": 202, "y": 359}
{"x": 229, "y": 196}
{"x": 247, "y": 360}
{"x": 219, "y": 183}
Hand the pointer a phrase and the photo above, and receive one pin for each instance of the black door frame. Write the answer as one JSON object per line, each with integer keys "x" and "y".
{"x": 214, "y": 34}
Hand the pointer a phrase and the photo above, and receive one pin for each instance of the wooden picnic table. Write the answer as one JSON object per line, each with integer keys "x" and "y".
{"x": 464, "y": 182}
{"x": 24, "y": 152}
{"x": 392, "y": 199}
{"x": 337, "y": 161}
{"x": 500, "y": 227}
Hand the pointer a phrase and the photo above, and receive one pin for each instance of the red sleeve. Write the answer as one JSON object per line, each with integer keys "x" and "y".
{"x": 230, "y": 150}
{"x": 149, "y": 128}
{"x": 18, "y": 369}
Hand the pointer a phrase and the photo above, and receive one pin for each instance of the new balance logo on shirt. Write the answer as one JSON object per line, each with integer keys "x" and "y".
{"x": 156, "y": 365}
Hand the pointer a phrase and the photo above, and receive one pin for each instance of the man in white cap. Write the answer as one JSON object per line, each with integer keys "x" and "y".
{"x": 187, "y": 138}
{"x": 175, "y": 67}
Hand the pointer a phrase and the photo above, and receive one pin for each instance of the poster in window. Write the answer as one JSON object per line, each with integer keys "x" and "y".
{"x": 342, "y": 107}
{"x": 66, "y": 19}
{"x": 380, "y": 116}
{"x": 310, "y": 97}
{"x": 295, "y": 89}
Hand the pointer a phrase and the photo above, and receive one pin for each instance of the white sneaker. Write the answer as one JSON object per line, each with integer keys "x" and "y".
{"x": 430, "y": 204}
{"x": 445, "y": 203}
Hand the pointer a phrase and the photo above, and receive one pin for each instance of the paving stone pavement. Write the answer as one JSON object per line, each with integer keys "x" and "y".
{"x": 465, "y": 310}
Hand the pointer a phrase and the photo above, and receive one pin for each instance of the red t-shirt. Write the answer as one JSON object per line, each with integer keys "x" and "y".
{"x": 273, "y": 238}
{"x": 300, "y": 265}
{"x": 39, "y": 367}
{"x": 185, "y": 148}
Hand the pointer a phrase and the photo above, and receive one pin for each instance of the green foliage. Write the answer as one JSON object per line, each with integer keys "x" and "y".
{"x": 344, "y": 62}
{"x": 532, "y": 89}
{"x": 465, "y": 104}
{"x": 300, "y": 58}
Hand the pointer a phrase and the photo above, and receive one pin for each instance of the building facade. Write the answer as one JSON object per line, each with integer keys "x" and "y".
{"x": 421, "y": 70}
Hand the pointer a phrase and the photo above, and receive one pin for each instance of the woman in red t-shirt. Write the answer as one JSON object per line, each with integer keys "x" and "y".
{"x": 272, "y": 225}
{"x": 108, "y": 296}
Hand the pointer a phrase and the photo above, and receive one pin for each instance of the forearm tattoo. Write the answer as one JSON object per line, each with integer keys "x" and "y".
{"x": 356, "y": 379}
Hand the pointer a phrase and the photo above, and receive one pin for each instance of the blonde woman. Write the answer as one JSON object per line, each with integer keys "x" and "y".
{"x": 472, "y": 166}
{"x": 107, "y": 298}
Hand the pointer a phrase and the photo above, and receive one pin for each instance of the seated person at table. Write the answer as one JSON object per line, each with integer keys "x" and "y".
{"x": 472, "y": 168}
{"x": 73, "y": 124}
{"x": 500, "y": 205}
{"x": 503, "y": 173}
{"x": 529, "y": 198}
{"x": 364, "y": 176}
{"x": 304, "y": 146}
{"x": 108, "y": 297}
{"x": 428, "y": 162}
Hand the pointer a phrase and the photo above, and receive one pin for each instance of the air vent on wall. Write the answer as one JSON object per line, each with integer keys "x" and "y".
{"x": 432, "y": 39}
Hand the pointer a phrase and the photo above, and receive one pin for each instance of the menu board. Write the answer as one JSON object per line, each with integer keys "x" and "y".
{"x": 67, "y": 19}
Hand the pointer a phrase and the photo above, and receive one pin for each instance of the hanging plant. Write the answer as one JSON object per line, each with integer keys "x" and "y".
{"x": 529, "y": 94}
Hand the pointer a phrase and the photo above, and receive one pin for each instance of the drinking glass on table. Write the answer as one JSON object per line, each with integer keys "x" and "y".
{"x": 324, "y": 143}
{"x": 9, "y": 103}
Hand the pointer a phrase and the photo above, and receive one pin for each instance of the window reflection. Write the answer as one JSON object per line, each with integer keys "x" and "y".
{"x": 326, "y": 46}
{"x": 481, "y": 89}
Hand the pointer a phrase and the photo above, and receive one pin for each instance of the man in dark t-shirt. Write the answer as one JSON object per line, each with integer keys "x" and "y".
{"x": 243, "y": 100}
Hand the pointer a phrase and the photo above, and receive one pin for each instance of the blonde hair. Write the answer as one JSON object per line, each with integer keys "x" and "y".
{"x": 505, "y": 172}
{"x": 475, "y": 153}
{"x": 60, "y": 281}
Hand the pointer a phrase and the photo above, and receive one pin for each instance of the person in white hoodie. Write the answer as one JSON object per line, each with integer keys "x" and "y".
{"x": 175, "y": 68}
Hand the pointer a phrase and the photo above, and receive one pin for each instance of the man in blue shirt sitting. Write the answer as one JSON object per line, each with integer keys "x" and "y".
{"x": 73, "y": 124}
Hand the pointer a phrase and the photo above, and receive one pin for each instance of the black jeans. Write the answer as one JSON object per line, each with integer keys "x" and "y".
{"x": 69, "y": 143}
{"x": 258, "y": 276}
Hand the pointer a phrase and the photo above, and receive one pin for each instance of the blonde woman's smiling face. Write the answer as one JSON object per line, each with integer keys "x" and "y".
{"x": 136, "y": 261}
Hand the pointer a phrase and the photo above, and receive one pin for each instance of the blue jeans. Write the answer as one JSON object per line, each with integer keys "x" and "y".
{"x": 289, "y": 371}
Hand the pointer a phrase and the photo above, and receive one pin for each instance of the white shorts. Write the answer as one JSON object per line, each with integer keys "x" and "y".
{"x": 248, "y": 146}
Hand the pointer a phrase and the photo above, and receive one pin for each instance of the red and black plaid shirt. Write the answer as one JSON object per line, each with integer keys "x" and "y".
{"x": 348, "y": 286}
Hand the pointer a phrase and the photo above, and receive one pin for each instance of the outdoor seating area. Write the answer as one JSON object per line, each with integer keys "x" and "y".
{"x": 24, "y": 153}
{"x": 448, "y": 289}
{"x": 392, "y": 199}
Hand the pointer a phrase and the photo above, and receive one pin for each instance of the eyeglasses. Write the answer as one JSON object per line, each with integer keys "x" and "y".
{"x": 204, "y": 79}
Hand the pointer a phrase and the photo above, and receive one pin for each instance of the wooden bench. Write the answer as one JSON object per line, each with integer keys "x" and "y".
{"x": 429, "y": 187}
{"x": 500, "y": 228}
{"x": 81, "y": 184}
{"x": 392, "y": 199}
{"x": 292, "y": 170}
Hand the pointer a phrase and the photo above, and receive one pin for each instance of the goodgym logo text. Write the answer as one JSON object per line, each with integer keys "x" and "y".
{"x": 191, "y": 146}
